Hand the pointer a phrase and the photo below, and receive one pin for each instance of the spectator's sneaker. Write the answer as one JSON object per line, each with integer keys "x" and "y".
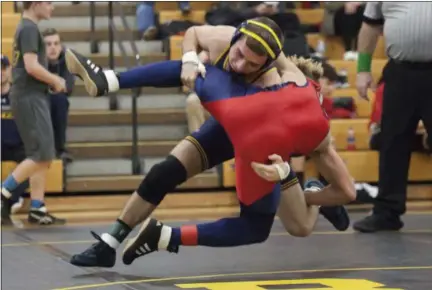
{"x": 377, "y": 222}
{"x": 350, "y": 55}
{"x": 41, "y": 216}
{"x": 185, "y": 9}
{"x": 150, "y": 33}
{"x": 366, "y": 193}
{"x": 100, "y": 254}
{"x": 336, "y": 215}
{"x": 65, "y": 156}
{"x": 145, "y": 242}
{"x": 17, "y": 205}
{"x": 96, "y": 81}
{"x": 6, "y": 208}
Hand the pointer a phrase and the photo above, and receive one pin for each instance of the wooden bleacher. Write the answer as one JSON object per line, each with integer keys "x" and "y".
{"x": 162, "y": 6}
{"x": 55, "y": 178}
{"x": 171, "y": 15}
{"x": 363, "y": 166}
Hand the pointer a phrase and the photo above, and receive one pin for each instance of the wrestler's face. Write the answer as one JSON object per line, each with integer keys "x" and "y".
{"x": 243, "y": 60}
{"x": 327, "y": 87}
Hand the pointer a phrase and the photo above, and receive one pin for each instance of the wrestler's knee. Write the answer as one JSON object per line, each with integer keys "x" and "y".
{"x": 189, "y": 156}
{"x": 161, "y": 179}
{"x": 260, "y": 227}
{"x": 299, "y": 230}
{"x": 193, "y": 102}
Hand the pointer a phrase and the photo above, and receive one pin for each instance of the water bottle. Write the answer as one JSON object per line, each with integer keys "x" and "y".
{"x": 351, "y": 140}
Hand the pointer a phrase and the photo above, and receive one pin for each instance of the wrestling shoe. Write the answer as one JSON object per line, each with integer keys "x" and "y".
{"x": 41, "y": 217}
{"x": 99, "y": 254}
{"x": 336, "y": 215}
{"x": 96, "y": 81}
{"x": 146, "y": 241}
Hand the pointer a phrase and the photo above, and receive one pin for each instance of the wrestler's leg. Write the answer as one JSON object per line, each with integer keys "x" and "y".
{"x": 202, "y": 150}
{"x": 100, "y": 82}
{"x": 253, "y": 225}
{"x": 298, "y": 218}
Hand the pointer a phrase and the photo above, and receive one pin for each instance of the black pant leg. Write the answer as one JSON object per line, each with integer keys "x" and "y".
{"x": 398, "y": 127}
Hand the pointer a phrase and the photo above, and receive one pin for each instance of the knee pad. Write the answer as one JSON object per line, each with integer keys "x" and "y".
{"x": 161, "y": 179}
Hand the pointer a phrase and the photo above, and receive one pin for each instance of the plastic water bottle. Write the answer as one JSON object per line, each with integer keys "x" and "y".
{"x": 351, "y": 140}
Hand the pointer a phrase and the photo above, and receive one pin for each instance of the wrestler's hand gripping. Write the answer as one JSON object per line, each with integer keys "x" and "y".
{"x": 191, "y": 68}
{"x": 277, "y": 171}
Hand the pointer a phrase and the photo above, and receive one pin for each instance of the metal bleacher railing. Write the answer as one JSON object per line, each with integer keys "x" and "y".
{"x": 115, "y": 36}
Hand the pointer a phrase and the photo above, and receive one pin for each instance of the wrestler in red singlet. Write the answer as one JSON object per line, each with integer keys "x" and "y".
{"x": 286, "y": 121}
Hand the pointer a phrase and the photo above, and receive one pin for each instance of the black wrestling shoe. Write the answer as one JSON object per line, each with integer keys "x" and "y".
{"x": 95, "y": 80}
{"x": 145, "y": 242}
{"x": 336, "y": 215}
{"x": 99, "y": 254}
{"x": 40, "y": 216}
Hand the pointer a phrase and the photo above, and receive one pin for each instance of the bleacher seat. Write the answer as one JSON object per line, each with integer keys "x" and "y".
{"x": 351, "y": 69}
{"x": 9, "y": 23}
{"x": 7, "y": 7}
{"x": 175, "y": 47}
{"x": 7, "y": 47}
{"x": 310, "y": 16}
{"x": 54, "y": 179}
{"x": 194, "y": 16}
{"x": 363, "y": 166}
{"x": 335, "y": 49}
{"x": 173, "y": 5}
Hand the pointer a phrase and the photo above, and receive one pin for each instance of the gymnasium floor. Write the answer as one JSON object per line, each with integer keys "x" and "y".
{"x": 36, "y": 259}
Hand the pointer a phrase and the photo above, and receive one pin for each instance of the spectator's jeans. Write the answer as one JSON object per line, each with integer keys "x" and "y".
{"x": 145, "y": 14}
{"x": 59, "y": 116}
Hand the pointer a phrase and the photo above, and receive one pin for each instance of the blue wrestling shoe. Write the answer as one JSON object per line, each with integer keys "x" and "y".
{"x": 336, "y": 215}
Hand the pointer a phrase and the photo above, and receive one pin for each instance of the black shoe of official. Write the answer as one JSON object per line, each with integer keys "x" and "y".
{"x": 99, "y": 254}
{"x": 40, "y": 216}
{"x": 93, "y": 76}
{"x": 336, "y": 215}
{"x": 377, "y": 222}
{"x": 6, "y": 208}
{"x": 145, "y": 242}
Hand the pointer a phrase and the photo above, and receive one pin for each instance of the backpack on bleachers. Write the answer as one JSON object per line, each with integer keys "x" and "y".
{"x": 175, "y": 27}
{"x": 296, "y": 44}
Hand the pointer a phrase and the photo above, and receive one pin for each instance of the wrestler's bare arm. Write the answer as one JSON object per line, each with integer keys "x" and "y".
{"x": 213, "y": 39}
{"x": 341, "y": 189}
{"x": 288, "y": 71}
{"x": 284, "y": 71}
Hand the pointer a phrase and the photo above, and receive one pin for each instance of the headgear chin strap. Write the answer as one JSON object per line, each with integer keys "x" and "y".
{"x": 242, "y": 29}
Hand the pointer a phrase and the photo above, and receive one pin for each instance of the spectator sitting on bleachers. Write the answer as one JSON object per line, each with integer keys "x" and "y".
{"x": 59, "y": 102}
{"x": 12, "y": 147}
{"x": 145, "y": 17}
{"x": 344, "y": 19}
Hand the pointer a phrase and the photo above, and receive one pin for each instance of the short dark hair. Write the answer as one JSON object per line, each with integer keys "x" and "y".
{"x": 49, "y": 32}
{"x": 27, "y": 5}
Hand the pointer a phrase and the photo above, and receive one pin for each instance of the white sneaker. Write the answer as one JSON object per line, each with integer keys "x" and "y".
{"x": 350, "y": 55}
